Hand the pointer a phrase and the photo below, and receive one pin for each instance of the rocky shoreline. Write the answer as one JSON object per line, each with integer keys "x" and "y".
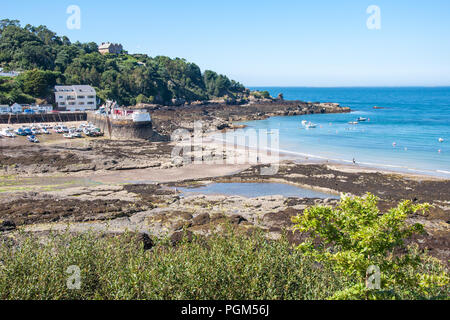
{"x": 216, "y": 116}
{"x": 116, "y": 186}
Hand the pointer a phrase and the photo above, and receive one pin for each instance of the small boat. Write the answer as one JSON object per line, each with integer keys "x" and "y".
{"x": 7, "y": 133}
{"x": 361, "y": 119}
{"x": 378, "y": 108}
{"x": 441, "y": 140}
{"x": 353, "y": 122}
{"x": 311, "y": 125}
{"x": 33, "y": 139}
{"x": 304, "y": 123}
{"x": 74, "y": 134}
{"x": 20, "y": 132}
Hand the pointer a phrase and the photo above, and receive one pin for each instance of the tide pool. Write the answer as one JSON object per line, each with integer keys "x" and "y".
{"x": 253, "y": 190}
{"x": 404, "y": 136}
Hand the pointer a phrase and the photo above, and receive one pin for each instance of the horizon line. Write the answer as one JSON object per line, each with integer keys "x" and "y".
{"x": 294, "y": 86}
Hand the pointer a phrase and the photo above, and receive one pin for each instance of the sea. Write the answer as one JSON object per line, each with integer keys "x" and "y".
{"x": 408, "y": 132}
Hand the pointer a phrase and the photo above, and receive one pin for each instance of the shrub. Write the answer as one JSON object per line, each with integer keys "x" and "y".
{"x": 356, "y": 235}
{"x": 223, "y": 267}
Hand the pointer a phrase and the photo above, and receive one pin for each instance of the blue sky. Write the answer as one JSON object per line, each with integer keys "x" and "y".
{"x": 263, "y": 43}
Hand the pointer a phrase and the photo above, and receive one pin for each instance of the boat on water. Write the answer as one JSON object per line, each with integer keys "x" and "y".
{"x": 441, "y": 140}
{"x": 378, "y": 107}
{"x": 304, "y": 123}
{"x": 310, "y": 125}
{"x": 361, "y": 119}
{"x": 353, "y": 122}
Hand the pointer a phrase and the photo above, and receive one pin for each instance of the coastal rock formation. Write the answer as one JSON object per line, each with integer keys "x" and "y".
{"x": 220, "y": 116}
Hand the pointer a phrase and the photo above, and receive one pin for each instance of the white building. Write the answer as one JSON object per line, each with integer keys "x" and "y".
{"x": 41, "y": 108}
{"x": 45, "y": 108}
{"x": 76, "y": 98}
{"x": 4, "y": 109}
{"x": 8, "y": 74}
{"x": 16, "y": 108}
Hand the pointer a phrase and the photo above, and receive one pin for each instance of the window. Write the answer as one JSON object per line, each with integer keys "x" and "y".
{"x": 62, "y": 103}
{"x": 91, "y": 97}
{"x": 81, "y": 97}
{"x": 90, "y": 102}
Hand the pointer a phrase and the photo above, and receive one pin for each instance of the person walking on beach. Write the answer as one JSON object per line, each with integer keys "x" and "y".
{"x": 354, "y": 161}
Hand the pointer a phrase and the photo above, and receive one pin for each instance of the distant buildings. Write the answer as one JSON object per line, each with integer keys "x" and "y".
{"x": 4, "y": 108}
{"x": 25, "y": 108}
{"x": 16, "y": 108}
{"x": 8, "y": 74}
{"x": 108, "y": 47}
{"x": 75, "y": 98}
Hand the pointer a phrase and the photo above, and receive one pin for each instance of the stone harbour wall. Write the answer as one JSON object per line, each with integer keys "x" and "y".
{"x": 126, "y": 129}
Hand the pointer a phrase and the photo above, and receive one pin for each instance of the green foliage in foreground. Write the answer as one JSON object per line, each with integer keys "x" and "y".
{"x": 222, "y": 267}
{"x": 231, "y": 266}
{"x": 356, "y": 237}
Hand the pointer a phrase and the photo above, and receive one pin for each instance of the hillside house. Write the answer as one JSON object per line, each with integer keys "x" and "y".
{"x": 108, "y": 47}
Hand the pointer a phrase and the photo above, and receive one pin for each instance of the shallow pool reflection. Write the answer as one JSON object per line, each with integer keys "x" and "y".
{"x": 253, "y": 190}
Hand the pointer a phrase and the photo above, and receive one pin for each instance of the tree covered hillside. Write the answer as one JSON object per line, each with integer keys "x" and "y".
{"x": 47, "y": 59}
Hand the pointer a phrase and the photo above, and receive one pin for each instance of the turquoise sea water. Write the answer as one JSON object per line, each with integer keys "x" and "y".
{"x": 413, "y": 119}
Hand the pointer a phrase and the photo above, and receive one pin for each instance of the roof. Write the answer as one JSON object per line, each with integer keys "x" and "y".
{"x": 76, "y": 89}
{"x": 105, "y": 45}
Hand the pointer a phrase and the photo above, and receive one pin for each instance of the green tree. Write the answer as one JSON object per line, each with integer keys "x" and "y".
{"x": 120, "y": 77}
{"x": 39, "y": 83}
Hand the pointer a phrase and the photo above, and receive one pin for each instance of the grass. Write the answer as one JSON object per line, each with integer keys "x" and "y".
{"x": 222, "y": 267}
{"x": 230, "y": 267}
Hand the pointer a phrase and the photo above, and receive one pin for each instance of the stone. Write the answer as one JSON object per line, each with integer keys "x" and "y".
{"x": 7, "y": 225}
{"x": 237, "y": 219}
{"x": 146, "y": 241}
{"x": 201, "y": 219}
{"x": 179, "y": 236}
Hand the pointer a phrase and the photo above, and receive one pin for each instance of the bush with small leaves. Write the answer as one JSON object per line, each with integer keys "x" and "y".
{"x": 355, "y": 236}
